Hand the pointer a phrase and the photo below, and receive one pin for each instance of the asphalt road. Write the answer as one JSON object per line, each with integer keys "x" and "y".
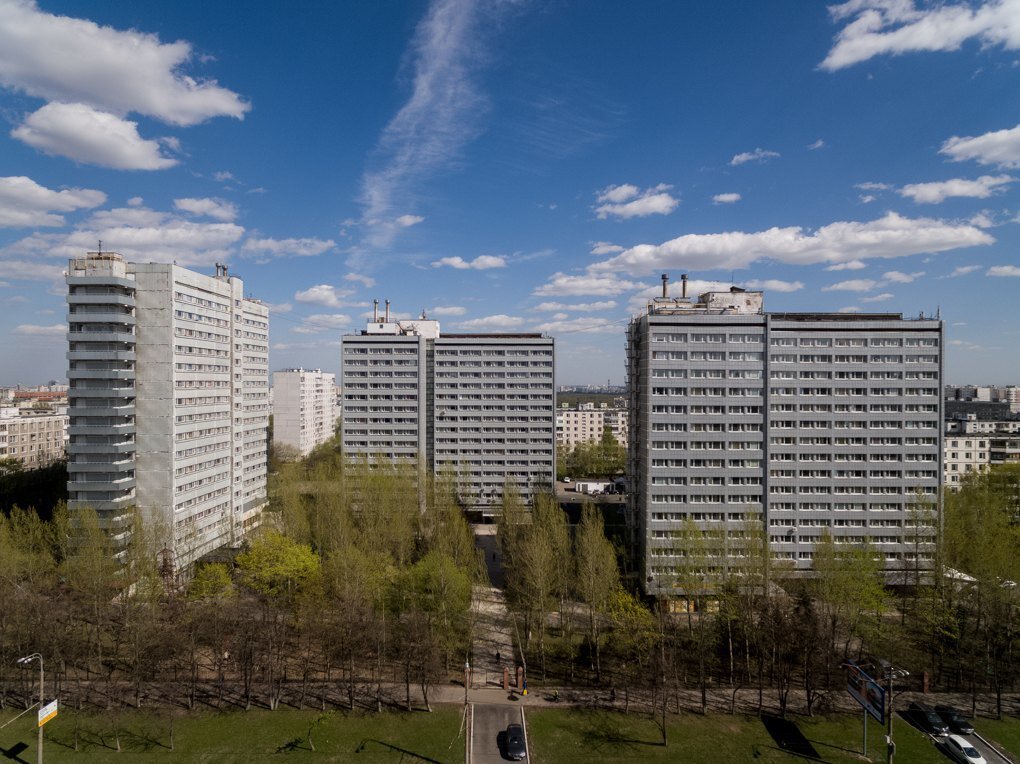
{"x": 488, "y": 739}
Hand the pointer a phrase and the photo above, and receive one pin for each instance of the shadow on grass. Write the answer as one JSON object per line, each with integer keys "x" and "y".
{"x": 14, "y": 752}
{"x": 603, "y": 728}
{"x": 363, "y": 745}
{"x": 788, "y": 737}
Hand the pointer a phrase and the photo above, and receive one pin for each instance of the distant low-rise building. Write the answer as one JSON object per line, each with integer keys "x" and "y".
{"x": 33, "y": 439}
{"x": 588, "y": 422}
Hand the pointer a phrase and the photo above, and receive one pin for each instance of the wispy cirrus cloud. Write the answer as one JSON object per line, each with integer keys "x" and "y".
{"x": 441, "y": 114}
{"x": 580, "y": 307}
{"x": 895, "y": 27}
{"x": 304, "y": 247}
{"x": 34, "y": 330}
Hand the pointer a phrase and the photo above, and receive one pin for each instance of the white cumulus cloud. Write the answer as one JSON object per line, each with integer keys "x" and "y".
{"x": 68, "y": 60}
{"x": 879, "y": 297}
{"x": 897, "y": 277}
{"x": 937, "y": 192}
{"x": 218, "y": 209}
{"x": 850, "y": 265}
{"x": 406, "y": 221}
{"x": 601, "y": 284}
{"x": 999, "y": 147}
{"x": 852, "y": 285}
{"x": 758, "y": 155}
{"x": 324, "y": 294}
{"x": 498, "y": 321}
{"x": 729, "y": 198}
{"x": 480, "y": 263}
{"x": 1003, "y": 270}
{"x": 963, "y": 270}
{"x": 887, "y": 237}
{"x": 605, "y": 248}
{"x": 628, "y": 201}
{"x": 23, "y": 202}
{"x": 91, "y": 136}
{"x": 895, "y": 27}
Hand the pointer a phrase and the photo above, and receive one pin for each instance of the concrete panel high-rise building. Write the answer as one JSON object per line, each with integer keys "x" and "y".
{"x": 791, "y": 424}
{"x": 481, "y": 405}
{"x": 168, "y": 401}
{"x": 304, "y": 402}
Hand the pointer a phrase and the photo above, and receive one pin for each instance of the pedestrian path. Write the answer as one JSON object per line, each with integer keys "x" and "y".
{"x": 493, "y": 646}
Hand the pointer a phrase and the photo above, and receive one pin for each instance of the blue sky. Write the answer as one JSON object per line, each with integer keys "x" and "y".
{"x": 518, "y": 166}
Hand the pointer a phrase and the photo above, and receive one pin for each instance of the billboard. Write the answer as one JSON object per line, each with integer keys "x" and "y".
{"x": 866, "y": 691}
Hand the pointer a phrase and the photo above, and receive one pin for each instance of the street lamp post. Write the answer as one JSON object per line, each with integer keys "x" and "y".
{"x": 467, "y": 679}
{"x": 24, "y": 662}
{"x": 891, "y": 672}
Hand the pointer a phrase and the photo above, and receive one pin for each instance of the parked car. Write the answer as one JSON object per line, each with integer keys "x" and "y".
{"x": 926, "y": 718}
{"x": 961, "y": 750}
{"x": 515, "y": 748}
{"x": 955, "y": 720}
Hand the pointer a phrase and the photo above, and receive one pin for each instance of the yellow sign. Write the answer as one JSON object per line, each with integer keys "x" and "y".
{"x": 47, "y": 712}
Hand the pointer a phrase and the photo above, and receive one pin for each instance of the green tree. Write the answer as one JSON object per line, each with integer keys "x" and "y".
{"x": 597, "y": 577}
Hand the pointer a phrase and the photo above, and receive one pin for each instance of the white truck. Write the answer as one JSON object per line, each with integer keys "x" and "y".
{"x": 593, "y": 487}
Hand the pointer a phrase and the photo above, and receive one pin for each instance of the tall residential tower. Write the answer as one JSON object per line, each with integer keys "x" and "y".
{"x": 791, "y": 424}
{"x": 168, "y": 401}
{"x": 481, "y": 405}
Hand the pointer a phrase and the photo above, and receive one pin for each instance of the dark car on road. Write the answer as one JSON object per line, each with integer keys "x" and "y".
{"x": 955, "y": 720}
{"x": 924, "y": 716}
{"x": 515, "y": 748}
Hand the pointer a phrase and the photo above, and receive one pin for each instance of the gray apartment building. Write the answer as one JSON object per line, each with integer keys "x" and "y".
{"x": 480, "y": 405}
{"x": 794, "y": 424}
{"x": 168, "y": 401}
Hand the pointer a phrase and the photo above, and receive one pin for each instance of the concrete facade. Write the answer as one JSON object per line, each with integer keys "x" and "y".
{"x": 168, "y": 401}
{"x": 33, "y": 439}
{"x": 792, "y": 425}
{"x": 481, "y": 405}
{"x": 304, "y": 403}
{"x": 587, "y": 422}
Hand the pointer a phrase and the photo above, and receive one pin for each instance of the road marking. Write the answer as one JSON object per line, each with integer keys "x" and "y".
{"x": 524, "y": 726}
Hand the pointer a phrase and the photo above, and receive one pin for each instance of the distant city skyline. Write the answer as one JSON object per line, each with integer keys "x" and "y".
{"x": 517, "y": 166}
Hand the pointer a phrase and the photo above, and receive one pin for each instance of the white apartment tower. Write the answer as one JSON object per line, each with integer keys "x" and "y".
{"x": 795, "y": 424}
{"x": 304, "y": 403}
{"x": 482, "y": 405}
{"x": 168, "y": 401}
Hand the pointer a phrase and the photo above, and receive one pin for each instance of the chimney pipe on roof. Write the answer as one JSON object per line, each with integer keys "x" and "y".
{"x": 387, "y": 311}
{"x": 665, "y": 281}
{"x": 683, "y": 280}
{"x": 375, "y": 311}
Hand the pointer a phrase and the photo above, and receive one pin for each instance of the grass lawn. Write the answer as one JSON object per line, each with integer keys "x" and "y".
{"x": 557, "y": 735}
{"x": 242, "y": 736}
{"x": 1005, "y": 732}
